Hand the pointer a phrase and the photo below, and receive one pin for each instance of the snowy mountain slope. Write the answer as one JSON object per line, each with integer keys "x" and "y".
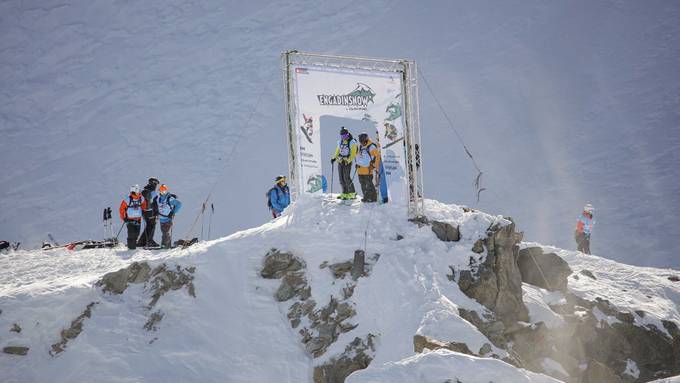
{"x": 561, "y": 104}
{"x": 234, "y": 328}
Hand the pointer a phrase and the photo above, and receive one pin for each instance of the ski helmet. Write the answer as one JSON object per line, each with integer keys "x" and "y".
{"x": 134, "y": 189}
{"x": 163, "y": 189}
{"x": 154, "y": 181}
{"x": 363, "y": 137}
{"x": 589, "y": 208}
{"x": 343, "y": 130}
{"x": 280, "y": 178}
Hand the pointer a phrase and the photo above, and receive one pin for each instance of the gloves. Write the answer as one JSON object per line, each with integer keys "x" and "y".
{"x": 172, "y": 214}
{"x": 333, "y": 160}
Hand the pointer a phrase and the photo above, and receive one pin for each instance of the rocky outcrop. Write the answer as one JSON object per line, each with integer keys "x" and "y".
{"x": 320, "y": 326}
{"x": 277, "y": 264}
{"x": 15, "y": 328}
{"x": 597, "y": 372}
{"x": 357, "y": 356}
{"x": 116, "y": 282}
{"x": 496, "y": 282}
{"x": 73, "y": 331}
{"x": 445, "y": 231}
{"x": 421, "y": 342}
{"x": 15, "y": 350}
{"x": 547, "y": 271}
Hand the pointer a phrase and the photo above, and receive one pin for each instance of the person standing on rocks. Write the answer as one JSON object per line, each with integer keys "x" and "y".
{"x": 367, "y": 162}
{"x": 168, "y": 205}
{"x": 130, "y": 211}
{"x": 149, "y": 194}
{"x": 345, "y": 153}
{"x": 584, "y": 227}
{"x": 278, "y": 196}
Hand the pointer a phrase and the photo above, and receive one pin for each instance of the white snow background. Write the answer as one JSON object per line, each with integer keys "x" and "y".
{"x": 561, "y": 103}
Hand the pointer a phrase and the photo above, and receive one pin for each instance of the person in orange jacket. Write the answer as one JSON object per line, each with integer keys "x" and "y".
{"x": 130, "y": 211}
{"x": 367, "y": 162}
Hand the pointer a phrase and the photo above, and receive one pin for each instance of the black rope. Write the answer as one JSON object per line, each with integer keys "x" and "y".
{"x": 226, "y": 162}
{"x": 478, "y": 180}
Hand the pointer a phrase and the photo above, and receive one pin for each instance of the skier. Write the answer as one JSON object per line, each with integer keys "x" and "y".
{"x": 367, "y": 161}
{"x": 346, "y": 152}
{"x": 278, "y": 196}
{"x": 149, "y": 194}
{"x": 584, "y": 227}
{"x": 130, "y": 211}
{"x": 167, "y": 206}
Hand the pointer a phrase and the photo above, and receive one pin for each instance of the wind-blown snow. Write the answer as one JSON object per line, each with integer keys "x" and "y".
{"x": 561, "y": 103}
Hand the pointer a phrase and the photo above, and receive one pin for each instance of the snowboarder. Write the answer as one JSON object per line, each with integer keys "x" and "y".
{"x": 149, "y": 194}
{"x": 367, "y": 162}
{"x": 346, "y": 152}
{"x": 278, "y": 197}
{"x": 167, "y": 206}
{"x": 584, "y": 227}
{"x": 130, "y": 211}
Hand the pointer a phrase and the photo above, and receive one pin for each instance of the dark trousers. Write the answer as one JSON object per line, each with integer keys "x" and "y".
{"x": 582, "y": 242}
{"x": 345, "y": 173}
{"x": 146, "y": 238}
{"x": 133, "y": 233}
{"x": 367, "y": 187}
{"x": 166, "y": 229}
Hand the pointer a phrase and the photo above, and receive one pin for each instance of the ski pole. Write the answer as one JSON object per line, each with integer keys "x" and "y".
{"x": 332, "y": 176}
{"x": 212, "y": 211}
{"x": 353, "y": 174}
{"x": 119, "y": 230}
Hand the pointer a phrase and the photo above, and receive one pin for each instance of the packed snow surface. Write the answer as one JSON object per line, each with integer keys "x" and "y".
{"x": 234, "y": 326}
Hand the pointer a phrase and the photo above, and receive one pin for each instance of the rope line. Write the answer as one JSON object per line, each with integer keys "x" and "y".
{"x": 478, "y": 180}
{"x": 227, "y": 161}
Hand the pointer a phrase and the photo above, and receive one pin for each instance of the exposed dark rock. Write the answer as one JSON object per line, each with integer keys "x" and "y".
{"x": 116, "y": 282}
{"x": 15, "y": 328}
{"x": 357, "y": 356}
{"x": 445, "y": 231}
{"x": 421, "y": 342}
{"x": 597, "y": 372}
{"x": 485, "y": 349}
{"x": 588, "y": 274}
{"x": 494, "y": 330}
{"x": 547, "y": 271}
{"x": 497, "y": 282}
{"x": 154, "y": 320}
{"x": 478, "y": 247}
{"x": 674, "y": 278}
{"x": 339, "y": 270}
{"x": 164, "y": 279}
{"x": 399, "y": 237}
{"x": 420, "y": 221}
{"x": 291, "y": 284}
{"x": 73, "y": 331}
{"x": 15, "y": 350}
{"x": 276, "y": 264}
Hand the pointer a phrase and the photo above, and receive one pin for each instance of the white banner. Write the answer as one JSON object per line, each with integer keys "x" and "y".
{"x": 363, "y": 96}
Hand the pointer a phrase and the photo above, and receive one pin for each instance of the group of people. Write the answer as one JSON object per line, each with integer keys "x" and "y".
{"x": 149, "y": 205}
{"x": 365, "y": 155}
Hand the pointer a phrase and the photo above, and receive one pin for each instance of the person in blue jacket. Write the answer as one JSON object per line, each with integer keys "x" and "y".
{"x": 168, "y": 205}
{"x": 278, "y": 196}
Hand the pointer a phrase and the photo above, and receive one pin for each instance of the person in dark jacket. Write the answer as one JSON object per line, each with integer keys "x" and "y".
{"x": 131, "y": 208}
{"x": 149, "y": 213}
{"x": 279, "y": 196}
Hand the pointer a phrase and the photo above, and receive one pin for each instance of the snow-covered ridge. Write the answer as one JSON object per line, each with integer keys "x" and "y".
{"x": 234, "y": 325}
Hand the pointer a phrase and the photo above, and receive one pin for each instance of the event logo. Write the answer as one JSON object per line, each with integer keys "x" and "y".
{"x": 355, "y": 100}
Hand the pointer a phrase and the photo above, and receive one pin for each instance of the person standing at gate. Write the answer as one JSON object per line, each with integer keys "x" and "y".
{"x": 584, "y": 227}
{"x": 367, "y": 162}
{"x": 131, "y": 213}
{"x": 345, "y": 153}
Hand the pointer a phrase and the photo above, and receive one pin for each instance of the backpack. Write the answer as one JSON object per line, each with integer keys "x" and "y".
{"x": 269, "y": 197}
